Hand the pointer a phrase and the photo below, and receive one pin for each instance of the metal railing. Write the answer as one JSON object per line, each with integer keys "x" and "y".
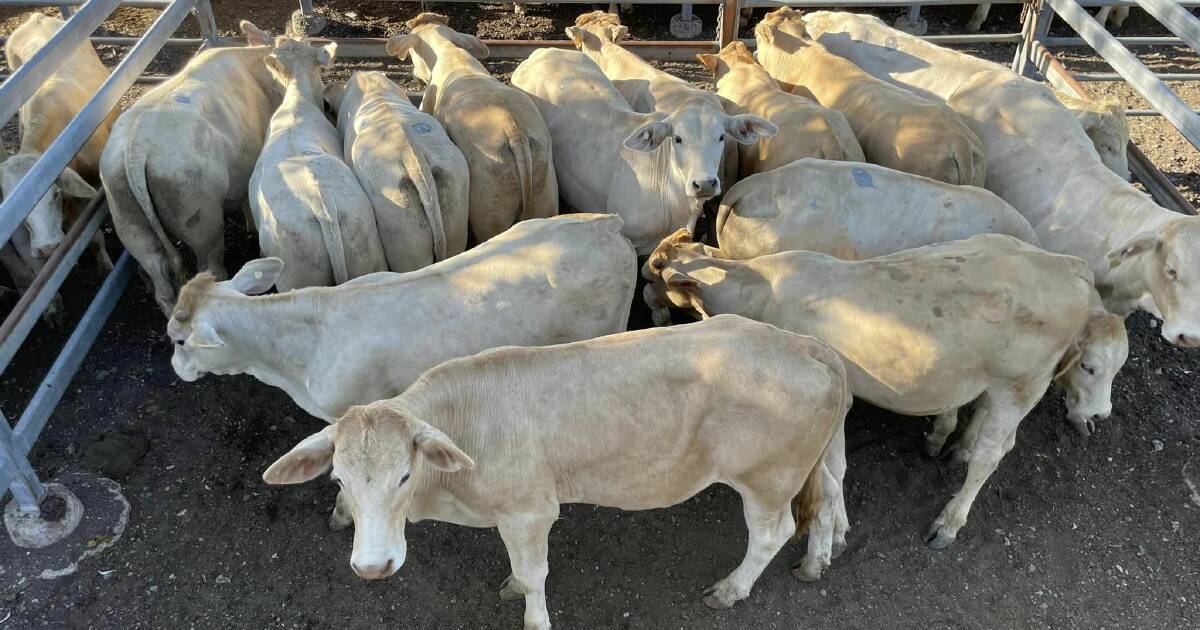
{"x": 15, "y": 472}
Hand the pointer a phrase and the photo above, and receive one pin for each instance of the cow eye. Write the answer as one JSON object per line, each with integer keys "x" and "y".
{"x": 179, "y": 342}
{"x": 338, "y": 481}
{"x": 721, "y": 139}
{"x": 678, "y": 140}
{"x": 1091, "y": 371}
{"x": 404, "y": 478}
{"x": 1171, "y": 273}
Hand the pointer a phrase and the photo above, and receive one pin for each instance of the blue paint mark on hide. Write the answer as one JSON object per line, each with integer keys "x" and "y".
{"x": 183, "y": 98}
{"x": 812, "y": 204}
{"x": 421, "y": 127}
{"x": 862, "y": 178}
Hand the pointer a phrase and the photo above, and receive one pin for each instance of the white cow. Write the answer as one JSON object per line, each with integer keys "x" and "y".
{"x": 541, "y": 282}
{"x": 498, "y": 129}
{"x": 182, "y": 152}
{"x": 806, "y": 129}
{"x": 1143, "y": 255}
{"x": 42, "y": 118}
{"x": 931, "y": 70}
{"x": 309, "y": 208}
{"x": 607, "y": 156}
{"x": 923, "y": 332}
{"x": 855, "y": 211}
{"x": 695, "y": 120}
{"x": 503, "y": 438}
{"x": 418, "y": 181}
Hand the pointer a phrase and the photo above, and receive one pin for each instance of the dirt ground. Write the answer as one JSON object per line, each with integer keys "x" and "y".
{"x": 1069, "y": 533}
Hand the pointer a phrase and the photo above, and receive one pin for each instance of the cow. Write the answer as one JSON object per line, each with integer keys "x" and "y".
{"x": 1114, "y": 18}
{"x": 608, "y": 158}
{"x": 923, "y": 331}
{"x": 503, "y": 438}
{"x": 308, "y": 206}
{"x": 702, "y": 133}
{"x": 915, "y": 64}
{"x": 896, "y": 128}
{"x": 418, "y": 181}
{"x": 497, "y": 128}
{"x": 182, "y": 152}
{"x": 1143, "y": 256}
{"x": 854, "y": 211}
{"x": 806, "y": 129}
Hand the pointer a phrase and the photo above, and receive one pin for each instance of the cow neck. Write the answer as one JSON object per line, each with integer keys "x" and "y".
{"x": 450, "y": 61}
{"x": 277, "y": 334}
{"x": 301, "y": 89}
{"x": 730, "y": 286}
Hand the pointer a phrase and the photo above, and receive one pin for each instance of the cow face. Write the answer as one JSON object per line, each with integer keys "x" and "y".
{"x": 1168, "y": 262}
{"x": 45, "y": 222}
{"x": 1087, "y": 375}
{"x": 695, "y": 136}
{"x": 197, "y": 333}
{"x": 670, "y": 285}
{"x": 1108, "y": 129}
{"x": 380, "y": 456}
{"x": 293, "y": 61}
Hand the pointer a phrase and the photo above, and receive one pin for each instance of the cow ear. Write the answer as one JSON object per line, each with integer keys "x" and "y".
{"x": 748, "y": 129}
{"x": 1144, "y": 242}
{"x": 1069, "y": 360}
{"x": 647, "y": 137}
{"x": 709, "y": 61}
{"x": 1088, "y": 119}
{"x": 764, "y": 36}
{"x": 677, "y": 279}
{"x": 400, "y": 46}
{"x": 308, "y": 460}
{"x": 575, "y": 34}
{"x": 255, "y": 36}
{"x": 72, "y": 185}
{"x": 257, "y": 276}
{"x": 471, "y": 44}
{"x": 618, "y": 33}
{"x": 333, "y": 95}
{"x": 326, "y": 54}
{"x": 440, "y": 450}
{"x": 203, "y": 335}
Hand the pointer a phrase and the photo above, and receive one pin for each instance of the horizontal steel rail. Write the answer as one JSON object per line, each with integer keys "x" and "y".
{"x": 1145, "y": 112}
{"x": 1177, "y": 19}
{"x": 1134, "y": 71}
{"x": 144, "y": 4}
{"x": 353, "y": 47}
{"x": 1128, "y": 41}
{"x": 1113, "y": 76}
{"x": 129, "y": 41}
{"x": 56, "y": 157}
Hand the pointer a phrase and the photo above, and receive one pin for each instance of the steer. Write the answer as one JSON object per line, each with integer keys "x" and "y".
{"x": 184, "y": 151}
{"x": 923, "y": 332}
{"x": 896, "y": 128}
{"x": 855, "y": 211}
{"x": 608, "y": 157}
{"x": 806, "y": 130}
{"x": 635, "y": 421}
{"x": 930, "y": 70}
{"x": 310, "y": 210}
{"x": 418, "y": 181}
{"x": 696, "y": 120}
{"x": 499, "y": 131}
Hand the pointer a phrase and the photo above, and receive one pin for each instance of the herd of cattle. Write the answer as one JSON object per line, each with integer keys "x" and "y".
{"x": 937, "y": 229}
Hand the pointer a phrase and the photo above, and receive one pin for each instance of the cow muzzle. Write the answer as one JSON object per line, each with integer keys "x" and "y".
{"x": 374, "y": 570}
{"x": 1179, "y": 338}
{"x": 704, "y": 188}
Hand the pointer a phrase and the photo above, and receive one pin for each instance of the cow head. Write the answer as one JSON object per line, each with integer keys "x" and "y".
{"x": 667, "y": 271}
{"x": 197, "y": 333}
{"x": 380, "y": 455}
{"x": 783, "y": 29}
{"x": 593, "y": 30}
{"x": 1105, "y": 124}
{"x": 731, "y": 57}
{"x": 295, "y": 62}
{"x": 430, "y": 33}
{"x": 45, "y": 222}
{"x": 1087, "y": 371}
{"x": 695, "y": 134}
{"x": 1166, "y": 261}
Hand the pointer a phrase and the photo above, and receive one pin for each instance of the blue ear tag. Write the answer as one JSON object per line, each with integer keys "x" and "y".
{"x": 862, "y": 178}
{"x": 421, "y": 127}
{"x": 182, "y": 98}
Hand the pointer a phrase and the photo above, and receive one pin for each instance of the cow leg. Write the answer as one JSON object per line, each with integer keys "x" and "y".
{"x": 341, "y": 517}
{"x": 99, "y": 253}
{"x": 835, "y": 462}
{"x": 1119, "y": 15}
{"x": 820, "y": 530}
{"x": 527, "y": 538}
{"x": 23, "y": 272}
{"x": 1005, "y": 410}
{"x": 770, "y": 524}
{"x": 966, "y": 443}
{"x": 977, "y": 18}
{"x": 943, "y": 426}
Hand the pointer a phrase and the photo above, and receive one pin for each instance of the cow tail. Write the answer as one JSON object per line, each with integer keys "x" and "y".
{"x": 807, "y": 504}
{"x": 422, "y": 178}
{"x": 325, "y": 210}
{"x": 135, "y": 177}
{"x": 518, "y": 143}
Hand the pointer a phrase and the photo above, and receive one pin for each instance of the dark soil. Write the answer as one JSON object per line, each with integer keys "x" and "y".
{"x": 1069, "y": 533}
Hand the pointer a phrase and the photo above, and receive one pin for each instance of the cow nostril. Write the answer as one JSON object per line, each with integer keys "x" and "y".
{"x": 387, "y": 567}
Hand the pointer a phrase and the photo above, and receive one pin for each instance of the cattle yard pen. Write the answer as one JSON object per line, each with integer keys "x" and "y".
{"x": 16, "y": 474}
{"x": 1033, "y": 45}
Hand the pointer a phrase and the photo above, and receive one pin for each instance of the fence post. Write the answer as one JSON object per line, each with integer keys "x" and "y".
{"x": 306, "y": 7}
{"x": 208, "y": 23}
{"x": 728, "y": 17}
{"x": 1035, "y": 25}
{"x": 26, "y": 489}
{"x": 66, "y": 11}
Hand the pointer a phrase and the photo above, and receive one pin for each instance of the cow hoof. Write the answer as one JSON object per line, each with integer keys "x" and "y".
{"x": 938, "y": 539}
{"x": 932, "y": 452}
{"x": 806, "y": 573}
{"x": 509, "y": 590}
{"x": 839, "y": 547}
{"x": 720, "y": 596}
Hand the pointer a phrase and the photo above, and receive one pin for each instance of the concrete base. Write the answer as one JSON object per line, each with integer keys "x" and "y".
{"x": 50, "y": 548}
{"x": 917, "y": 28}
{"x": 686, "y": 27}
{"x": 307, "y": 25}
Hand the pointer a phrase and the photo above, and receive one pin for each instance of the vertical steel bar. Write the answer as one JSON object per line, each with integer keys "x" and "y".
{"x": 41, "y": 66}
{"x": 728, "y": 17}
{"x": 23, "y": 481}
{"x": 39, "y": 178}
{"x": 208, "y": 23}
{"x": 66, "y": 11}
{"x": 914, "y": 13}
{"x": 686, "y": 10}
{"x": 46, "y": 398}
{"x": 306, "y": 7}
